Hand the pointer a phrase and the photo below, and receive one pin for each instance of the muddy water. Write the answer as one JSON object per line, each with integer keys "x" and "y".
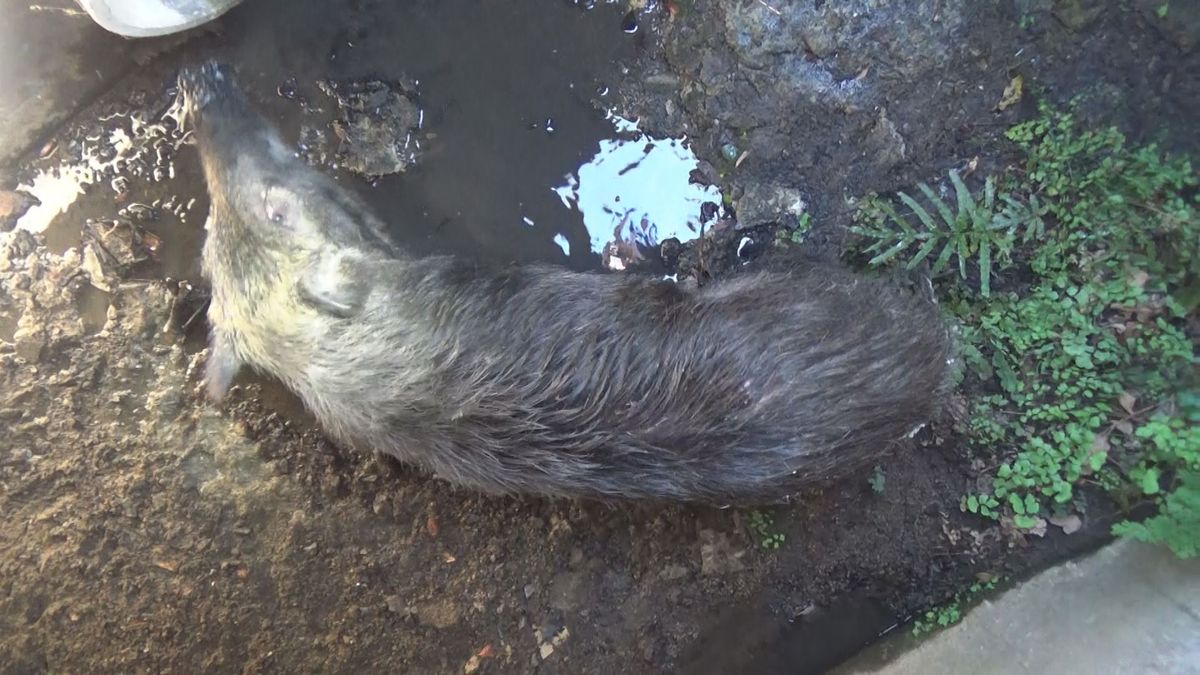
{"x": 522, "y": 156}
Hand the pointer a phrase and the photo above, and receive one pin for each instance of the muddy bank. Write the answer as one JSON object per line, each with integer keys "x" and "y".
{"x": 826, "y": 101}
{"x": 148, "y": 531}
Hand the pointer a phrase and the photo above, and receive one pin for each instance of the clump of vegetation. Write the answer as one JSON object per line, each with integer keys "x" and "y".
{"x": 763, "y": 527}
{"x": 980, "y": 228}
{"x": 1087, "y": 372}
{"x": 951, "y": 612}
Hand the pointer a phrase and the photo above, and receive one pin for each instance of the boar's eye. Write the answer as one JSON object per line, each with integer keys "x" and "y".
{"x": 277, "y": 206}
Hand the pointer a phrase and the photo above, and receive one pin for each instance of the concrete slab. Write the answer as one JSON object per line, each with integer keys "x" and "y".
{"x": 1129, "y": 608}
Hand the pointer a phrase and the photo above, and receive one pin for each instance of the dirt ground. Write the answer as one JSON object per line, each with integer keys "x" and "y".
{"x": 146, "y": 530}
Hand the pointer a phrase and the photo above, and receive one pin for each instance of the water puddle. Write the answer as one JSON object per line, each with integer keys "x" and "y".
{"x": 510, "y": 101}
{"x": 125, "y": 171}
{"x": 754, "y": 638}
{"x": 637, "y": 192}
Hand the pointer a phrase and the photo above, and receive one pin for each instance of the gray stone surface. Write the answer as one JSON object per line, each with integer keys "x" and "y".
{"x": 1130, "y": 608}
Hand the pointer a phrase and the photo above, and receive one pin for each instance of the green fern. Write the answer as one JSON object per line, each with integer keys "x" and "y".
{"x": 982, "y": 227}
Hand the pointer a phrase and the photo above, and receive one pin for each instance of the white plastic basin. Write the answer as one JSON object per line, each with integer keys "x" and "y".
{"x": 150, "y": 18}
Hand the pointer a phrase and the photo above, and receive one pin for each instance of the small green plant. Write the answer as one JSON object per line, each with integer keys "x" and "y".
{"x": 877, "y": 480}
{"x": 1088, "y": 375}
{"x": 1162, "y": 10}
{"x": 951, "y": 613}
{"x": 797, "y": 234}
{"x": 762, "y": 525}
{"x": 1177, "y": 524}
{"x": 803, "y": 225}
{"x": 981, "y": 227}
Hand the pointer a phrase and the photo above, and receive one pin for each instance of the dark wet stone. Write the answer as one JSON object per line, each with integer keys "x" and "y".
{"x": 1077, "y": 14}
{"x": 629, "y": 23}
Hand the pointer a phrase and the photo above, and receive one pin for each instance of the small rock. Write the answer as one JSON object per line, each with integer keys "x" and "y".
{"x": 1077, "y": 14}
{"x": 30, "y": 343}
{"x": 13, "y": 205}
{"x": 439, "y": 614}
{"x": 765, "y": 204}
{"x": 395, "y": 604}
{"x": 94, "y": 269}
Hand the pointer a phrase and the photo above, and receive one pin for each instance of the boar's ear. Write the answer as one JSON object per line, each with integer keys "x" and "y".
{"x": 330, "y": 285}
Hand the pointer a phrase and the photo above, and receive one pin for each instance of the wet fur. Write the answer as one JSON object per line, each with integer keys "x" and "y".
{"x": 540, "y": 380}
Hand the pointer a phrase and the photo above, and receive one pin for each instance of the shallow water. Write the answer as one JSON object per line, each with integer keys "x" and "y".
{"x": 522, "y": 159}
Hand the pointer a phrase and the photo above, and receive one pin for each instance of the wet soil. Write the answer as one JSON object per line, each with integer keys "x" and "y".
{"x": 146, "y": 530}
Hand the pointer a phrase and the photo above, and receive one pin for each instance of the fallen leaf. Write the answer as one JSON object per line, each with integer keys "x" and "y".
{"x": 448, "y": 558}
{"x": 741, "y": 158}
{"x": 1124, "y": 426}
{"x": 167, "y": 565}
{"x": 151, "y": 241}
{"x": 487, "y": 652}
{"x": 431, "y": 526}
{"x": 986, "y": 577}
{"x": 1127, "y": 401}
{"x": 471, "y": 665}
{"x": 1012, "y": 93}
{"x": 1070, "y": 524}
{"x": 1100, "y": 446}
{"x": 1139, "y": 278}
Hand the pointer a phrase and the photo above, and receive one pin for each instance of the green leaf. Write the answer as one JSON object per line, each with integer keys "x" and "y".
{"x": 917, "y": 209}
{"x": 939, "y": 204}
{"x": 922, "y": 253}
{"x": 1025, "y": 522}
{"x": 966, "y": 203}
{"x": 1017, "y": 504}
{"x": 985, "y": 268}
{"x": 943, "y": 258}
{"x": 888, "y": 254}
{"x": 1149, "y": 481}
{"x": 964, "y": 252}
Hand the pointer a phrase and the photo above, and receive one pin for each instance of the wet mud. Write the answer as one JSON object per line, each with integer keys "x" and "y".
{"x": 146, "y": 530}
